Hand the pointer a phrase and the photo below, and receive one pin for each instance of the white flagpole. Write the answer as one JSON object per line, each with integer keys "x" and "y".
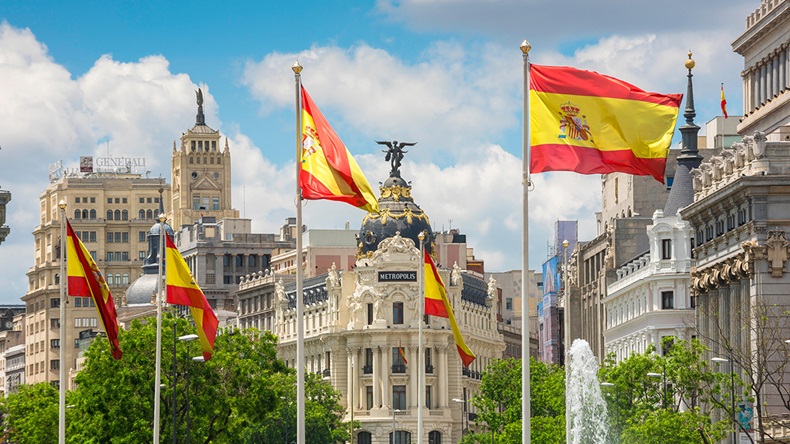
{"x": 159, "y": 292}
{"x": 300, "y": 401}
{"x": 525, "y": 182}
{"x": 63, "y": 282}
{"x": 420, "y": 347}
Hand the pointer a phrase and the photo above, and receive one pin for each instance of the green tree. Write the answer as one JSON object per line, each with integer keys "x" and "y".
{"x": 231, "y": 397}
{"x": 499, "y": 404}
{"x": 30, "y": 415}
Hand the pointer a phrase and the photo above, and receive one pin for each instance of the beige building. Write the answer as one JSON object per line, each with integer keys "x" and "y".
{"x": 111, "y": 212}
{"x": 201, "y": 175}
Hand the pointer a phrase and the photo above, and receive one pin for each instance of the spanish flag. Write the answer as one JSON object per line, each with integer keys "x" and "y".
{"x": 85, "y": 280}
{"x": 327, "y": 170}
{"x": 723, "y": 102}
{"x": 402, "y": 354}
{"x": 590, "y": 123}
{"x": 437, "y": 304}
{"x": 183, "y": 290}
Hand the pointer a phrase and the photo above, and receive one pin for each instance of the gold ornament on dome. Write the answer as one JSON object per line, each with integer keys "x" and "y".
{"x": 387, "y": 214}
{"x": 396, "y": 192}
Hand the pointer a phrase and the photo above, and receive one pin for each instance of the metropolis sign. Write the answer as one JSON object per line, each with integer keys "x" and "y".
{"x": 397, "y": 276}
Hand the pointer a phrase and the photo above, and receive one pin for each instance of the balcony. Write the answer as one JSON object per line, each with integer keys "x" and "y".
{"x": 398, "y": 368}
{"x": 326, "y": 373}
{"x": 367, "y": 369}
{"x": 428, "y": 368}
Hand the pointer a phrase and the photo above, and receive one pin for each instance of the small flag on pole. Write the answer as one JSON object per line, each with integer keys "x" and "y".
{"x": 723, "y": 102}
{"x": 590, "y": 123}
{"x": 402, "y": 354}
{"x": 183, "y": 290}
{"x": 85, "y": 280}
{"x": 437, "y": 304}
{"x": 327, "y": 169}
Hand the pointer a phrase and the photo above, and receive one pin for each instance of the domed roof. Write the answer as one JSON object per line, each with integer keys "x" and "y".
{"x": 397, "y": 211}
{"x": 141, "y": 290}
{"x": 154, "y": 231}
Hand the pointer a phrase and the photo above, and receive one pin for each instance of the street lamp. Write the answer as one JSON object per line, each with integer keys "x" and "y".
{"x": 464, "y": 417}
{"x": 732, "y": 392}
{"x": 185, "y": 338}
{"x": 663, "y": 377}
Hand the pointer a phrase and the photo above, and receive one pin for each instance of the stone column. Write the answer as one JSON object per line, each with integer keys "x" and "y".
{"x": 414, "y": 372}
{"x": 782, "y": 70}
{"x": 441, "y": 380}
{"x": 349, "y": 378}
{"x": 376, "y": 378}
{"x": 385, "y": 383}
{"x": 714, "y": 322}
{"x": 724, "y": 320}
{"x": 755, "y": 89}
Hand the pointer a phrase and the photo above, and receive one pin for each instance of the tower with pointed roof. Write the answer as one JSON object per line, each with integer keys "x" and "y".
{"x": 201, "y": 174}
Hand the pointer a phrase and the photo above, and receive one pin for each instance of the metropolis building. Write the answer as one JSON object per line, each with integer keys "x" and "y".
{"x": 358, "y": 320}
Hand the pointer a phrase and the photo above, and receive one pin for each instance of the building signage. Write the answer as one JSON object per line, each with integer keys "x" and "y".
{"x": 86, "y": 164}
{"x": 130, "y": 162}
{"x": 397, "y": 276}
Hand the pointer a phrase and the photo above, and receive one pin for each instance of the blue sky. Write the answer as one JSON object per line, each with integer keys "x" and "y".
{"x": 443, "y": 73}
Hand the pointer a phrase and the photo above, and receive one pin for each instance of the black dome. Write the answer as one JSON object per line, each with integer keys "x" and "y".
{"x": 397, "y": 214}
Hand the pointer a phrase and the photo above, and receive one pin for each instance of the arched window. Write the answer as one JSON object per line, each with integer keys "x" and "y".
{"x": 125, "y": 279}
{"x": 401, "y": 437}
{"x": 364, "y": 438}
{"x": 77, "y": 214}
{"x": 109, "y": 279}
{"x": 118, "y": 279}
{"x": 124, "y": 215}
{"x": 149, "y": 214}
{"x": 84, "y": 214}
{"x": 57, "y": 278}
{"x": 93, "y": 214}
{"x": 109, "y": 214}
{"x": 435, "y": 437}
{"x": 142, "y": 214}
{"x": 117, "y": 214}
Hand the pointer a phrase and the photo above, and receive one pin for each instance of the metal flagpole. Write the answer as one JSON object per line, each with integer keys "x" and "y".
{"x": 420, "y": 347}
{"x": 566, "y": 322}
{"x": 525, "y": 182}
{"x": 63, "y": 282}
{"x": 159, "y": 291}
{"x": 300, "y": 401}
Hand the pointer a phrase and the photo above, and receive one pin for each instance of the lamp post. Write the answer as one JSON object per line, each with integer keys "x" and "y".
{"x": 616, "y": 408}
{"x": 663, "y": 377}
{"x": 188, "y": 338}
{"x": 62, "y": 364}
{"x": 464, "y": 415}
{"x": 732, "y": 392}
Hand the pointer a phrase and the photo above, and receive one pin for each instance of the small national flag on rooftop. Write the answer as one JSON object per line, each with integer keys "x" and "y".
{"x": 591, "y": 123}
{"x": 723, "y": 102}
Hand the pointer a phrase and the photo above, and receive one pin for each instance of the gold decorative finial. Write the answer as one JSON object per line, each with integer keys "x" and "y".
{"x": 690, "y": 62}
{"x": 297, "y": 68}
{"x": 525, "y": 46}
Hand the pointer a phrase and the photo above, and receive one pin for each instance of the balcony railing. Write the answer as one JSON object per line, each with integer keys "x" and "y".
{"x": 367, "y": 369}
{"x": 398, "y": 368}
{"x": 428, "y": 368}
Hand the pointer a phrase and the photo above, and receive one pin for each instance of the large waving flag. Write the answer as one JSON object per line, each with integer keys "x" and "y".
{"x": 183, "y": 290}
{"x": 327, "y": 169}
{"x": 85, "y": 280}
{"x": 437, "y": 304}
{"x": 590, "y": 123}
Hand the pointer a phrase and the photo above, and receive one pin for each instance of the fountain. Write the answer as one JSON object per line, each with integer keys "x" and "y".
{"x": 587, "y": 409}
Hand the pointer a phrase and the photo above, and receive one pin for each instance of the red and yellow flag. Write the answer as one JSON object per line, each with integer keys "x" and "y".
{"x": 85, "y": 280}
{"x": 402, "y": 354}
{"x": 183, "y": 290}
{"x": 437, "y": 304}
{"x": 590, "y": 123}
{"x": 327, "y": 169}
{"x": 723, "y": 102}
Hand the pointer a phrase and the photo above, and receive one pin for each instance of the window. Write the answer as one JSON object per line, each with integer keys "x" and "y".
{"x": 76, "y": 200}
{"x": 428, "y": 363}
{"x": 435, "y": 437}
{"x": 428, "y": 397}
{"x": 369, "y": 396}
{"x": 252, "y": 261}
{"x": 239, "y": 260}
{"x": 156, "y": 200}
{"x": 57, "y": 279}
{"x": 142, "y": 200}
{"x": 109, "y": 256}
{"x": 509, "y": 304}
{"x": 141, "y": 215}
{"x": 54, "y": 364}
{"x": 227, "y": 279}
{"x": 226, "y": 260}
{"x": 93, "y": 200}
{"x": 54, "y": 343}
{"x": 54, "y": 323}
{"x": 141, "y": 236}
{"x": 141, "y": 255}
{"x": 93, "y": 214}
{"x": 78, "y": 301}
{"x": 124, "y": 200}
{"x": 364, "y": 437}
{"x": 401, "y": 437}
{"x": 397, "y": 312}
{"x": 124, "y": 213}
{"x": 370, "y": 314}
{"x": 667, "y": 300}
{"x": 117, "y": 214}
{"x": 398, "y": 361}
{"x": 666, "y": 249}
{"x": 149, "y": 200}
{"x": 149, "y": 214}
{"x": 125, "y": 255}
{"x": 77, "y": 214}
{"x": 117, "y": 200}
{"x": 109, "y": 200}
{"x": 368, "y": 368}
{"x": 54, "y": 302}
{"x": 125, "y": 280}
{"x": 399, "y": 397}
{"x": 109, "y": 214}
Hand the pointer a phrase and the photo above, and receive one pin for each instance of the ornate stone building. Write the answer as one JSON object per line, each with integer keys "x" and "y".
{"x": 358, "y": 320}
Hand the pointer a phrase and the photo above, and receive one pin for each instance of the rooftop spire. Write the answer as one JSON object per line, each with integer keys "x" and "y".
{"x": 200, "y": 118}
{"x": 682, "y": 192}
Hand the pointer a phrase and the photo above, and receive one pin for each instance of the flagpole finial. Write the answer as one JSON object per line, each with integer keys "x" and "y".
{"x": 525, "y": 47}
{"x": 297, "y": 68}
{"x": 62, "y": 204}
{"x": 162, "y": 217}
{"x": 690, "y": 62}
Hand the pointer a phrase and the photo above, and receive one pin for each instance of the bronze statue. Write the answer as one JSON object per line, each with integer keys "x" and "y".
{"x": 395, "y": 153}
{"x": 199, "y": 95}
